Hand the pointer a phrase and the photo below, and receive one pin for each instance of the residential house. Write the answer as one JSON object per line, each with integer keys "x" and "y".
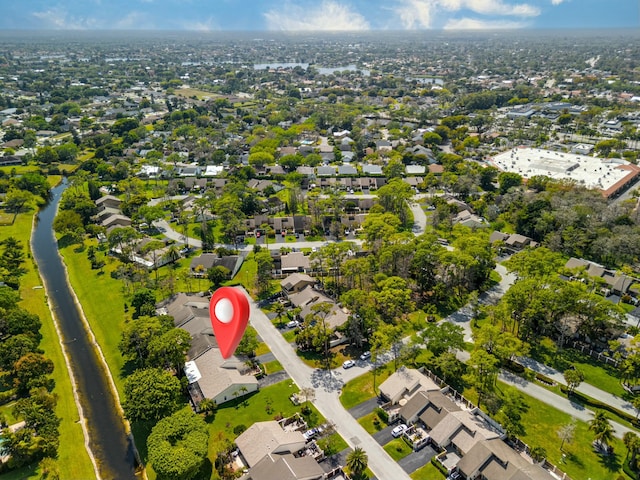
{"x": 295, "y": 262}
{"x": 285, "y": 467}
{"x": 265, "y": 438}
{"x": 221, "y": 380}
{"x": 471, "y": 220}
{"x": 347, "y": 170}
{"x": 326, "y": 171}
{"x": 460, "y": 430}
{"x": 115, "y": 221}
{"x": 369, "y": 169}
{"x": 308, "y": 297}
{"x": 613, "y": 282}
{"x": 512, "y": 242}
{"x": 296, "y": 282}
{"x": 495, "y": 460}
{"x": 429, "y": 408}
{"x": 404, "y": 383}
{"x": 200, "y": 265}
{"x": 415, "y": 169}
{"x": 108, "y": 201}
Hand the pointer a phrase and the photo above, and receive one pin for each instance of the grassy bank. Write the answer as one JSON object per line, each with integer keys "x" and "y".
{"x": 73, "y": 460}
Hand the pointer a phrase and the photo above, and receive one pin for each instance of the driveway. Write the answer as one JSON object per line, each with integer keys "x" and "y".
{"x": 327, "y": 386}
{"x": 365, "y": 408}
{"x": 384, "y": 436}
{"x": 416, "y": 460}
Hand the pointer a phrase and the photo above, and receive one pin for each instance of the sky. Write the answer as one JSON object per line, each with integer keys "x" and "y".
{"x": 316, "y": 15}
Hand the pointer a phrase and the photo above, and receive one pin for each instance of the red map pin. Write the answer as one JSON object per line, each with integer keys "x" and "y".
{"x": 229, "y": 312}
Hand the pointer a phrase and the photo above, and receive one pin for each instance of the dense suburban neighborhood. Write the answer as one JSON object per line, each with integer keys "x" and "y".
{"x": 439, "y": 239}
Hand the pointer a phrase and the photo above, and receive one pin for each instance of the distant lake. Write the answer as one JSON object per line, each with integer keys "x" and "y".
{"x": 264, "y": 66}
{"x": 305, "y": 66}
{"x": 427, "y": 80}
{"x": 348, "y": 68}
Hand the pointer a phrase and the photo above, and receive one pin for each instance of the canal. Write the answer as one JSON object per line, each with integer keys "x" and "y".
{"x": 108, "y": 440}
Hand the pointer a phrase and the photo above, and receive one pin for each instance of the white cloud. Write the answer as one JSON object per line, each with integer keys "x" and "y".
{"x": 328, "y": 15}
{"x": 421, "y": 13}
{"x": 134, "y": 20}
{"x": 202, "y": 26}
{"x": 491, "y": 7}
{"x": 556, "y": 2}
{"x": 478, "y": 24}
{"x": 416, "y": 13}
{"x": 59, "y": 19}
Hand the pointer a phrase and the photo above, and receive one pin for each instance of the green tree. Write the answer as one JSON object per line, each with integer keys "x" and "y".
{"x": 138, "y": 334}
{"x": 144, "y": 302}
{"x": 442, "y": 337}
{"x": 393, "y": 197}
{"x": 357, "y": 461}
{"x": 510, "y": 413}
{"x": 482, "y": 370}
{"x": 30, "y": 371}
{"x": 574, "y": 377}
{"x": 151, "y": 394}
{"x": 68, "y": 222}
{"x": 178, "y": 445}
{"x": 169, "y": 350}
{"x": 249, "y": 342}
{"x": 601, "y": 428}
{"x": 265, "y": 267}
{"x": 632, "y": 442}
{"x": 507, "y": 180}
{"x": 217, "y": 275}
{"x": 17, "y": 201}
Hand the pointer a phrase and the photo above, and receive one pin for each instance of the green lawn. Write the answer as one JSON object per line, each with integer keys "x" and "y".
{"x": 103, "y": 301}
{"x": 397, "y": 449}
{"x": 73, "y": 459}
{"x": 273, "y": 367}
{"x": 255, "y": 409}
{"x": 428, "y": 472}
{"x": 262, "y": 349}
{"x": 247, "y": 274}
{"x": 541, "y": 423}
{"x": 605, "y": 377}
{"x": 361, "y": 388}
{"x": 372, "y": 423}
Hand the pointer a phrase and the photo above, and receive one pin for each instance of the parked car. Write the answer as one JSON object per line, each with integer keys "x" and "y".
{"x": 454, "y": 476}
{"x": 399, "y": 430}
{"x": 348, "y": 364}
{"x": 309, "y": 434}
{"x": 292, "y": 324}
{"x": 366, "y": 355}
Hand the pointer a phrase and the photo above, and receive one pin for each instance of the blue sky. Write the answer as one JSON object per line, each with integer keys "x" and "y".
{"x": 306, "y": 15}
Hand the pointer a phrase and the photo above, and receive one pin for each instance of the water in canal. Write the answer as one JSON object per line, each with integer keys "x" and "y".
{"x": 107, "y": 436}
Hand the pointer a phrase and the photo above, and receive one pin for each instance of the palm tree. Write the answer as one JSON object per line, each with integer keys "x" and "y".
{"x": 632, "y": 442}
{"x": 601, "y": 428}
{"x": 357, "y": 461}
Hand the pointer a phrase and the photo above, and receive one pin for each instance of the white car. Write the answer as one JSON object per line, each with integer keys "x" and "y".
{"x": 399, "y": 430}
{"x": 348, "y": 364}
{"x": 366, "y": 355}
{"x": 309, "y": 434}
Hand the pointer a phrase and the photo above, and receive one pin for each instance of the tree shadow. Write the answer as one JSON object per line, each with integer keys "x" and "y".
{"x": 610, "y": 461}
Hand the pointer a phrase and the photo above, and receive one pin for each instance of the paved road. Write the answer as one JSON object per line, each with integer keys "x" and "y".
{"x": 463, "y": 318}
{"x": 560, "y": 402}
{"x": 327, "y": 386}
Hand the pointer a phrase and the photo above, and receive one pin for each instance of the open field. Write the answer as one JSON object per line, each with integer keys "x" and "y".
{"x": 199, "y": 94}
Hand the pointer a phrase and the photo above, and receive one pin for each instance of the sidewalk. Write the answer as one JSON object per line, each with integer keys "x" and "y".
{"x": 586, "y": 388}
{"x": 561, "y": 403}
